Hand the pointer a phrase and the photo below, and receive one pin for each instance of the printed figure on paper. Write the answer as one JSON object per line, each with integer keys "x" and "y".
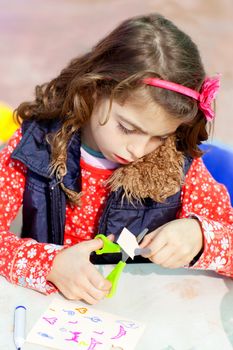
{"x": 63, "y": 326}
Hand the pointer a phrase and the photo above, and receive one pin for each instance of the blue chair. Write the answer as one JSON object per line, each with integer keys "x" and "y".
{"x": 219, "y": 162}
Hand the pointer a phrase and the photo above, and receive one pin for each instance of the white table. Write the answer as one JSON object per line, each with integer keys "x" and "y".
{"x": 183, "y": 309}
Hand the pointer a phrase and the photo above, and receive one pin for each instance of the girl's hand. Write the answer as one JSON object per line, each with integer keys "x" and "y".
{"x": 76, "y": 277}
{"x": 174, "y": 244}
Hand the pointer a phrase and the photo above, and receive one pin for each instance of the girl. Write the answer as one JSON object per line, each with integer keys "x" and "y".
{"x": 112, "y": 142}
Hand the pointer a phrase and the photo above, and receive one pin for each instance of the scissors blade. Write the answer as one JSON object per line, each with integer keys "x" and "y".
{"x": 140, "y": 251}
{"x": 124, "y": 256}
{"x": 139, "y": 238}
{"x": 142, "y": 234}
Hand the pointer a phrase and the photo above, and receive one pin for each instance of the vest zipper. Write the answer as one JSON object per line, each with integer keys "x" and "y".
{"x": 57, "y": 222}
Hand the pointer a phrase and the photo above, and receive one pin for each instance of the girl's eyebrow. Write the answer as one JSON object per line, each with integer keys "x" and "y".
{"x": 139, "y": 128}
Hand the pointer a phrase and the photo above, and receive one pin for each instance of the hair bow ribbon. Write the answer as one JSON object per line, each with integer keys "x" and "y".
{"x": 207, "y": 95}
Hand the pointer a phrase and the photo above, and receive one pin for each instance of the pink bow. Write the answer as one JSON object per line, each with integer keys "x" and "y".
{"x": 205, "y": 97}
{"x": 207, "y": 94}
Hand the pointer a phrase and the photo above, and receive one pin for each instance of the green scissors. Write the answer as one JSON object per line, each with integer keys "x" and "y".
{"x": 111, "y": 247}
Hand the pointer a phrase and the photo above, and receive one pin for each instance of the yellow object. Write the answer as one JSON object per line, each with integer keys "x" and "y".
{"x": 7, "y": 124}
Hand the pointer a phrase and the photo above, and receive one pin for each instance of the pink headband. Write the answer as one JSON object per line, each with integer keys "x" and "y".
{"x": 205, "y": 97}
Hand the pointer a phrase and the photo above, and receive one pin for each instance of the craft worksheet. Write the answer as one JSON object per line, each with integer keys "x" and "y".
{"x": 70, "y": 325}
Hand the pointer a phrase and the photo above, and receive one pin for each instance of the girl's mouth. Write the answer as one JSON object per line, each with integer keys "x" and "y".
{"x": 121, "y": 160}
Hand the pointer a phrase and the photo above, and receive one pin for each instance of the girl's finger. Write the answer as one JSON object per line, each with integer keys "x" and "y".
{"x": 146, "y": 240}
{"x": 95, "y": 293}
{"x": 173, "y": 265}
{"x": 174, "y": 262}
{"x": 98, "y": 281}
{"x": 89, "y": 298}
{"x": 92, "y": 245}
{"x": 163, "y": 255}
{"x": 111, "y": 237}
{"x": 155, "y": 243}
{"x": 151, "y": 236}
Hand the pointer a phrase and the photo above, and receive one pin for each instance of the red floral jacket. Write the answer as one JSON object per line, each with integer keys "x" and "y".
{"x": 27, "y": 263}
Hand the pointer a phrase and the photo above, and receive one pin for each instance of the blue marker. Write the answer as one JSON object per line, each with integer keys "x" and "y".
{"x": 19, "y": 326}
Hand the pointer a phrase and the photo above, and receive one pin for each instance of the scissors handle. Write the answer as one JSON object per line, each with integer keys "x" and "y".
{"x": 111, "y": 247}
{"x": 108, "y": 247}
{"x": 114, "y": 277}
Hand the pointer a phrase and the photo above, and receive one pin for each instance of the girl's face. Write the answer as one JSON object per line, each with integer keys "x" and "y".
{"x": 132, "y": 130}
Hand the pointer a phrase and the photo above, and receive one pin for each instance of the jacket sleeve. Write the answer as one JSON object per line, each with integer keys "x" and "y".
{"x": 22, "y": 261}
{"x": 209, "y": 202}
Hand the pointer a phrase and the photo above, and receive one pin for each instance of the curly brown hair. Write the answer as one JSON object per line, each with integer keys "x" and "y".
{"x": 142, "y": 46}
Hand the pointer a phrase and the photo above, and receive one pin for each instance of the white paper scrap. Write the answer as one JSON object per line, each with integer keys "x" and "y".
{"x": 128, "y": 242}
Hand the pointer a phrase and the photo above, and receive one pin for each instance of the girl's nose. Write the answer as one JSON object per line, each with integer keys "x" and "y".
{"x": 142, "y": 145}
{"x": 137, "y": 150}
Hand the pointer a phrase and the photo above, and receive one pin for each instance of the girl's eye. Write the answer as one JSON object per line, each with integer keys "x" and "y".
{"x": 162, "y": 139}
{"x": 125, "y": 130}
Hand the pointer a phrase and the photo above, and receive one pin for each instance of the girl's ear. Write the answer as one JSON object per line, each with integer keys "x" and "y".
{"x": 96, "y": 99}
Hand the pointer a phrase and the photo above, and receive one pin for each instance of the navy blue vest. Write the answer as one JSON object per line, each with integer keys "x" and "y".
{"x": 44, "y": 202}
